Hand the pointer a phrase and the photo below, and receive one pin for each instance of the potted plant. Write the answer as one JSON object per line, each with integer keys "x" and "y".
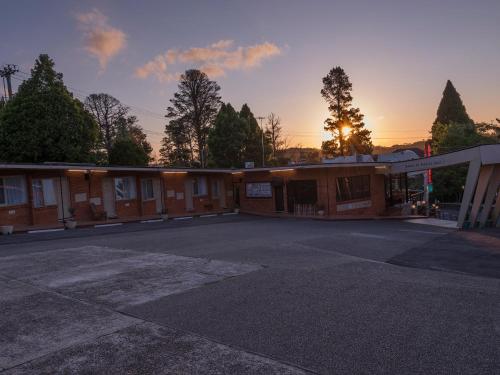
{"x": 320, "y": 209}
{"x": 71, "y": 222}
{"x": 164, "y": 214}
{"x": 6, "y": 229}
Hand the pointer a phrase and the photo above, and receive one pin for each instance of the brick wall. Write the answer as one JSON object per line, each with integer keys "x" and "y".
{"x": 326, "y": 189}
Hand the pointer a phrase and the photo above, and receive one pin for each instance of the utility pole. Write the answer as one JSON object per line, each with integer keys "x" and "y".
{"x": 6, "y": 72}
{"x": 260, "y": 118}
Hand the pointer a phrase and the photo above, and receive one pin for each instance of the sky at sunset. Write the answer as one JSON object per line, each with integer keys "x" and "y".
{"x": 271, "y": 55}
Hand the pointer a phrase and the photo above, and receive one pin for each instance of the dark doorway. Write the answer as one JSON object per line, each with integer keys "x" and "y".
{"x": 302, "y": 196}
{"x": 236, "y": 194}
{"x": 279, "y": 198}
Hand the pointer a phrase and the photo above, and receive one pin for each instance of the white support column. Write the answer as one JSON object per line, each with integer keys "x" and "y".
{"x": 496, "y": 213}
{"x": 490, "y": 196}
{"x": 482, "y": 186}
{"x": 470, "y": 186}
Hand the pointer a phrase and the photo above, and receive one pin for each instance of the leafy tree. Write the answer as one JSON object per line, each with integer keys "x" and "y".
{"x": 453, "y": 130}
{"x": 176, "y": 147}
{"x": 253, "y": 140}
{"x": 450, "y": 137}
{"x": 130, "y": 146}
{"x": 43, "y": 122}
{"x": 226, "y": 141}
{"x": 195, "y": 106}
{"x": 346, "y": 122}
{"x": 125, "y": 151}
{"x": 451, "y": 109}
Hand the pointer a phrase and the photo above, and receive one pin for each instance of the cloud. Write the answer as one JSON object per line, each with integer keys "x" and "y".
{"x": 100, "y": 39}
{"x": 215, "y": 59}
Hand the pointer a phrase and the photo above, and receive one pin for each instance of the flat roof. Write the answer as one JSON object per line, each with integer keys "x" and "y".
{"x": 488, "y": 154}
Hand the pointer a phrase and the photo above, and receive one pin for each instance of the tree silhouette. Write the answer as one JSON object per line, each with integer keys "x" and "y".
{"x": 451, "y": 109}
{"x": 43, "y": 122}
{"x": 195, "y": 106}
{"x": 227, "y": 138}
{"x": 346, "y": 122}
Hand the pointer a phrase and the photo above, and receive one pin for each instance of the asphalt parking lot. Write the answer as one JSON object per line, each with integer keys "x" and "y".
{"x": 251, "y": 295}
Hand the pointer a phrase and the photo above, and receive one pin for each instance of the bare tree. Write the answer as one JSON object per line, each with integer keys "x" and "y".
{"x": 274, "y": 133}
{"x": 108, "y": 113}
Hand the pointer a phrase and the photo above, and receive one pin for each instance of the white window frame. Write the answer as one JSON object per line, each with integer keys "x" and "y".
{"x": 48, "y": 192}
{"x": 200, "y": 186}
{"x": 144, "y": 190}
{"x": 130, "y": 184}
{"x": 24, "y": 192}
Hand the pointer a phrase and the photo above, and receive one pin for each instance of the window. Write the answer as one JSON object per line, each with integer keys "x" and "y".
{"x": 147, "y": 189}
{"x": 43, "y": 192}
{"x": 124, "y": 188}
{"x": 351, "y": 188}
{"x": 215, "y": 188}
{"x": 199, "y": 186}
{"x": 12, "y": 190}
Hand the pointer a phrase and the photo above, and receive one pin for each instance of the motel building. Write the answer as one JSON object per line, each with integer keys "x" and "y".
{"x": 51, "y": 195}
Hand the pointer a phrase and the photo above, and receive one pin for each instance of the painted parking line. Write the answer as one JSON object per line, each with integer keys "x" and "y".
{"x": 209, "y": 215}
{"x": 421, "y": 231}
{"x": 151, "y": 221}
{"x": 107, "y": 225}
{"x": 45, "y": 230}
{"x": 368, "y": 235}
{"x": 183, "y": 218}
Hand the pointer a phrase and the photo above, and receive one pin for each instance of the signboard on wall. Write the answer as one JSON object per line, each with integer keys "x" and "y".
{"x": 259, "y": 190}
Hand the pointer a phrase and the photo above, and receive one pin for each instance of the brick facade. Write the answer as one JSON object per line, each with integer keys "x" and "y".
{"x": 172, "y": 191}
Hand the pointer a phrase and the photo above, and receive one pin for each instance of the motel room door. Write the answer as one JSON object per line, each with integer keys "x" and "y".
{"x": 108, "y": 196}
{"x": 188, "y": 194}
{"x": 61, "y": 190}
{"x": 157, "y": 194}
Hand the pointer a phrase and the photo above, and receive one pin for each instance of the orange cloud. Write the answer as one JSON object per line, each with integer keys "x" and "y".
{"x": 100, "y": 39}
{"x": 214, "y": 60}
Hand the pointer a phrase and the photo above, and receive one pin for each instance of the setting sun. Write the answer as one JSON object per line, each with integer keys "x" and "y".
{"x": 346, "y": 131}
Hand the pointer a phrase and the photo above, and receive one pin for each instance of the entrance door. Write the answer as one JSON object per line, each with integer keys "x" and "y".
{"x": 236, "y": 195}
{"x": 222, "y": 193}
{"x": 188, "y": 194}
{"x": 108, "y": 196}
{"x": 61, "y": 189}
{"x": 157, "y": 194}
{"x": 279, "y": 198}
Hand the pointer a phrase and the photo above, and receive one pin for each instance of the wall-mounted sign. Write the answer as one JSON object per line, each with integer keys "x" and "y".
{"x": 80, "y": 197}
{"x": 259, "y": 190}
{"x": 95, "y": 200}
{"x": 170, "y": 193}
{"x": 179, "y": 196}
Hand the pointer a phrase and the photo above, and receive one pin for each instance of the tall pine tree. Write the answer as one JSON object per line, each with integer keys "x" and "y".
{"x": 451, "y": 109}
{"x": 346, "y": 122}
